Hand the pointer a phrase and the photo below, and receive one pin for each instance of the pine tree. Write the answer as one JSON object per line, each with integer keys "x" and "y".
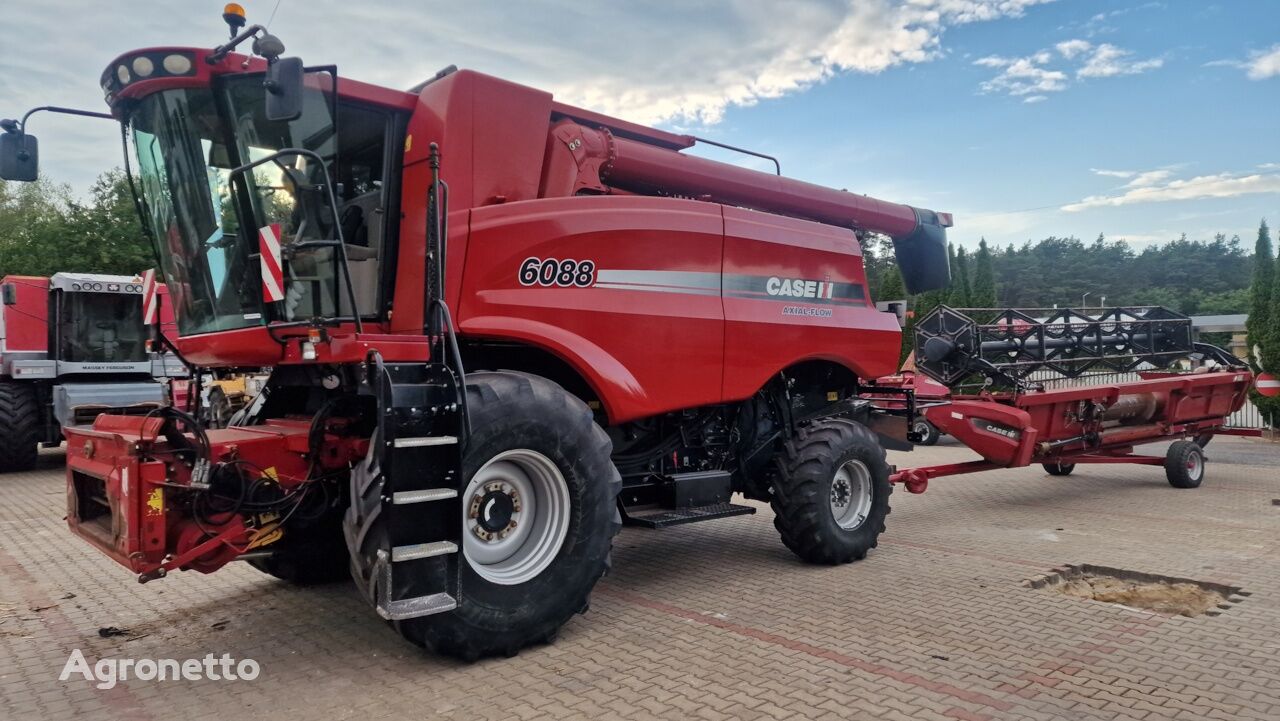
{"x": 891, "y": 287}
{"x": 961, "y": 284}
{"x": 1261, "y": 291}
{"x": 984, "y": 280}
{"x": 945, "y": 294}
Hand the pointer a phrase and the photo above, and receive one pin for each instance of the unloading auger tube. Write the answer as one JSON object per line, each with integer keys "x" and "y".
{"x": 1006, "y": 345}
{"x": 646, "y": 167}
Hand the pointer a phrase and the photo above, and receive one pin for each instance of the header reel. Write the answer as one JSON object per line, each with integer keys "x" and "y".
{"x": 1007, "y": 345}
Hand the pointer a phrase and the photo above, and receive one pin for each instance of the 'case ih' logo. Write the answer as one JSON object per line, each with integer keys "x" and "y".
{"x": 798, "y": 288}
{"x": 997, "y": 429}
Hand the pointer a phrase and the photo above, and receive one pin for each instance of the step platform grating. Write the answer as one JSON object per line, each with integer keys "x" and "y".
{"x": 665, "y": 517}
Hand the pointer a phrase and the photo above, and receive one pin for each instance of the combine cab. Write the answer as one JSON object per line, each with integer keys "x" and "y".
{"x": 71, "y": 347}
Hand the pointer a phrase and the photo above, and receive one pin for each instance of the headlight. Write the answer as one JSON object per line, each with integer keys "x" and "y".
{"x": 123, "y": 74}
{"x": 97, "y": 286}
{"x": 142, "y": 66}
{"x": 177, "y": 64}
{"x": 75, "y": 286}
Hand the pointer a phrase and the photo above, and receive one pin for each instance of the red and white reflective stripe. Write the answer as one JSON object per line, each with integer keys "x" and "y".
{"x": 269, "y": 260}
{"x": 1268, "y": 385}
{"x": 150, "y": 299}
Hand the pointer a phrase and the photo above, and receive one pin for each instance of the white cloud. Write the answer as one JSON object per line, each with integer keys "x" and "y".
{"x": 1222, "y": 185}
{"x": 1107, "y": 61}
{"x": 1021, "y": 77}
{"x": 1071, "y": 48}
{"x": 1263, "y": 64}
{"x": 658, "y": 61}
{"x": 1150, "y": 177}
{"x": 1114, "y": 173}
{"x": 1032, "y": 76}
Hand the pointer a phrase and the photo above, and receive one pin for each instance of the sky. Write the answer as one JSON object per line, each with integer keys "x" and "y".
{"x": 1024, "y": 118}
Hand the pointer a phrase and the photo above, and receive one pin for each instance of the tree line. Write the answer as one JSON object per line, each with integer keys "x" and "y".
{"x": 1196, "y": 277}
{"x": 44, "y": 229}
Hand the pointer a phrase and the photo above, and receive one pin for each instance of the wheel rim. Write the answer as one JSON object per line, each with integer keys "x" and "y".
{"x": 922, "y": 429}
{"x": 851, "y": 494}
{"x": 515, "y": 516}
{"x": 1195, "y": 466}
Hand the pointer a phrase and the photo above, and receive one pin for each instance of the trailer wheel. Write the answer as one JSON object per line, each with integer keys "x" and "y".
{"x": 929, "y": 433}
{"x": 1184, "y": 464}
{"x": 1059, "y": 469}
{"x": 19, "y": 418}
{"x": 525, "y": 431}
{"x": 831, "y": 492}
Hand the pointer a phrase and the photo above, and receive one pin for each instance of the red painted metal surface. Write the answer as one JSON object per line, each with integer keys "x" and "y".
{"x": 1092, "y": 424}
{"x": 129, "y": 508}
{"x": 25, "y": 324}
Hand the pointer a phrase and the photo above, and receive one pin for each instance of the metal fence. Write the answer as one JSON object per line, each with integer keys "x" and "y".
{"x": 1247, "y": 417}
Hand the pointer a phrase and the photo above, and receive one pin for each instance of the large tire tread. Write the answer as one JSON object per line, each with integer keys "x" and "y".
{"x": 802, "y": 487}
{"x": 501, "y": 620}
{"x": 19, "y": 427}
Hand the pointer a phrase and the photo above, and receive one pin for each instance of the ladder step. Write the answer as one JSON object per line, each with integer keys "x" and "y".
{"x": 675, "y": 517}
{"x": 415, "y": 607}
{"x": 402, "y": 498}
{"x": 425, "y": 441}
{"x": 422, "y": 550}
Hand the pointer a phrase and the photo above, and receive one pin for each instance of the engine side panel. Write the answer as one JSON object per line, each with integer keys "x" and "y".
{"x": 796, "y": 290}
{"x": 650, "y": 296}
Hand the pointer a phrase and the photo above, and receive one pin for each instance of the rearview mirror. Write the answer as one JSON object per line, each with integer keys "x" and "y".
{"x": 284, "y": 89}
{"x": 19, "y": 157}
{"x": 10, "y": 293}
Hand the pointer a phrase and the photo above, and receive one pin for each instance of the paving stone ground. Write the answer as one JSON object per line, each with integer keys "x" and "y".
{"x": 717, "y": 620}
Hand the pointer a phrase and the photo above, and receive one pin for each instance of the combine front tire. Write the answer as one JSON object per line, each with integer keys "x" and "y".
{"x": 19, "y": 419}
{"x": 1184, "y": 464}
{"x": 1059, "y": 469}
{"x": 519, "y": 584}
{"x": 831, "y": 492}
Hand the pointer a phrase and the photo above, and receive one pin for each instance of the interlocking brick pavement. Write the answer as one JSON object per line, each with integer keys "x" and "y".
{"x": 717, "y": 620}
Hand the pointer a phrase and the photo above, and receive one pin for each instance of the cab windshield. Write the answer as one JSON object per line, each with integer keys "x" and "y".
{"x": 206, "y": 222}
{"x": 102, "y": 327}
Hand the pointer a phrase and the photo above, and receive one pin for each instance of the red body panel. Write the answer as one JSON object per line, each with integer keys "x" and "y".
{"x": 765, "y": 333}
{"x": 25, "y": 324}
{"x": 657, "y": 289}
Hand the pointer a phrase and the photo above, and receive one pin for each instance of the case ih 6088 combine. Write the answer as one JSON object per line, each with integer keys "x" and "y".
{"x": 500, "y": 325}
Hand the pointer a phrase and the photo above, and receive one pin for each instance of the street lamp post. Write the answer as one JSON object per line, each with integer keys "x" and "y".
{"x": 1083, "y": 303}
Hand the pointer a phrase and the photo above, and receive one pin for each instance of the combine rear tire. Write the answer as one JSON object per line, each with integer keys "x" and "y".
{"x": 1059, "y": 469}
{"x": 1184, "y": 464}
{"x": 831, "y": 492}
{"x": 19, "y": 419}
{"x": 929, "y": 433}
{"x": 526, "y": 432}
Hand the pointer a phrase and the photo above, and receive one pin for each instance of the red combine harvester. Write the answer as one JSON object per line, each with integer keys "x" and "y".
{"x": 501, "y": 326}
{"x": 1014, "y": 421}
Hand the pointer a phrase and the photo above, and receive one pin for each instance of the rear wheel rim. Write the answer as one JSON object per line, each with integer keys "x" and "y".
{"x": 1195, "y": 466}
{"x": 851, "y": 494}
{"x": 922, "y": 429}
{"x": 515, "y": 516}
